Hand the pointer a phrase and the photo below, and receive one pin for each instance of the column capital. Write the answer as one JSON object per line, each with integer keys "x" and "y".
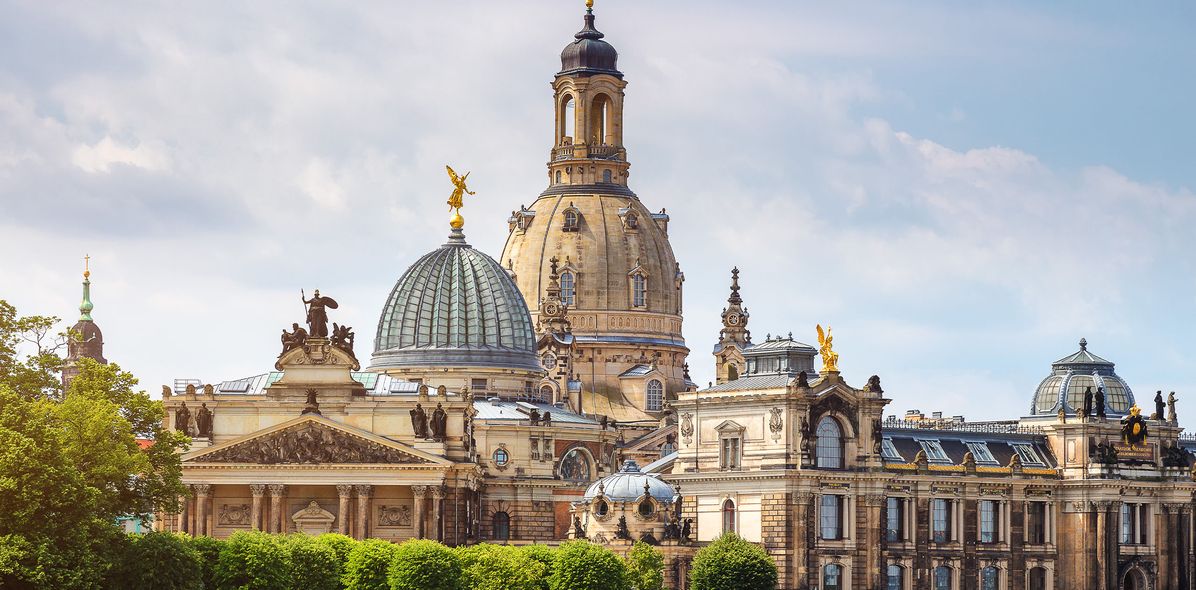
{"x": 438, "y": 492}
{"x": 364, "y": 490}
{"x": 203, "y": 489}
{"x": 874, "y": 500}
{"x": 419, "y": 491}
{"x": 258, "y": 489}
{"x": 344, "y": 490}
{"x": 278, "y": 489}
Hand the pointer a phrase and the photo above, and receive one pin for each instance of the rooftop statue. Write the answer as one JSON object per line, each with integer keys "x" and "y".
{"x": 1133, "y": 429}
{"x": 317, "y": 314}
{"x": 830, "y": 358}
{"x": 456, "y": 199}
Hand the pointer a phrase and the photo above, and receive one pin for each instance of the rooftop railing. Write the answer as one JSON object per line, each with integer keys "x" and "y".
{"x": 985, "y": 427}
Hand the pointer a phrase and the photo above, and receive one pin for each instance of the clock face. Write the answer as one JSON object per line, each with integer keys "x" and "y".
{"x": 551, "y": 309}
{"x": 733, "y": 319}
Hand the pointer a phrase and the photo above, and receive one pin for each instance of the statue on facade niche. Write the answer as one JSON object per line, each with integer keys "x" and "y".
{"x": 439, "y": 422}
{"x": 622, "y": 532}
{"x": 1105, "y": 453}
{"x": 803, "y": 380}
{"x": 1171, "y": 415}
{"x": 182, "y": 419}
{"x": 876, "y": 435}
{"x": 313, "y": 404}
{"x": 1086, "y": 411}
{"x": 1159, "y": 410}
{"x": 203, "y": 421}
{"x": 295, "y": 338}
{"x": 317, "y": 314}
{"x": 578, "y": 531}
{"x": 419, "y": 421}
{"x": 1100, "y": 403}
{"x": 686, "y": 529}
{"x": 342, "y": 337}
{"x": 805, "y": 434}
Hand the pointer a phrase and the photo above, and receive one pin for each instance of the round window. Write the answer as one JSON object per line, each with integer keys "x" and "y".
{"x": 646, "y": 508}
{"x": 601, "y": 508}
{"x": 501, "y": 457}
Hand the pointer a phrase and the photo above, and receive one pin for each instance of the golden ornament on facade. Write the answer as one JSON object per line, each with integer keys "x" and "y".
{"x": 830, "y": 358}
{"x": 456, "y": 199}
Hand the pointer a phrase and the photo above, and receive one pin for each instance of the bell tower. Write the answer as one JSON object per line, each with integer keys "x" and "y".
{"x": 85, "y": 338}
{"x": 588, "y": 124}
{"x": 734, "y": 338}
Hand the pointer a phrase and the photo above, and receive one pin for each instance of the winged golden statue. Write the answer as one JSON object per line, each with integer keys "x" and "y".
{"x": 830, "y": 358}
{"x": 459, "y": 189}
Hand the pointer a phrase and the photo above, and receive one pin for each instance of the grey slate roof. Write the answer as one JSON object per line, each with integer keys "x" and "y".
{"x": 374, "y": 384}
{"x": 455, "y": 307}
{"x": 954, "y": 444}
{"x": 661, "y": 465}
{"x": 628, "y": 484}
{"x": 1073, "y": 374}
{"x": 637, "y": 371}
{"x": 493, "y": 410}
{"x": 770, "y": 381}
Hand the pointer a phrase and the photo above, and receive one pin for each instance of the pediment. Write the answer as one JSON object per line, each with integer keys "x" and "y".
{"x": 312, "y": 440}
{"x": 730, "y": 426}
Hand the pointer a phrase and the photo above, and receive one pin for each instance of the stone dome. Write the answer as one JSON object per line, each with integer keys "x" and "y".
{"x": 455, "y": 307}
{"x": 589, "y": 54}
{"x": 1071, "y": 375}
{"x": 628, "y": 485}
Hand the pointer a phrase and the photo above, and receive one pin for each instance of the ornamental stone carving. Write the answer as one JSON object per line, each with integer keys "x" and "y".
{"x": 394, "y": 515}
{"x": 309, "y": 443}
{"x": 234, "y": 515}
{"x": 687, "y": 426}
{"x": 775, "y": 422}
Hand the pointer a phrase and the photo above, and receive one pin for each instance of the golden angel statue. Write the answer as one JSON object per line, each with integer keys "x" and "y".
{"x": 459, "y": 189}
{"x": 830, "y": 358}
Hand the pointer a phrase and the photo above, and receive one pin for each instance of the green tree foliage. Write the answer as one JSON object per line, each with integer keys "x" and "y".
{"x": 424, "y": 565}
{"x": 645, "y": 567}
{"x": 545, "y": 555}
{"x": 499, "y": 567}
{"x": 253, "y": 561}
{"x": 341, "y": 545}
{"x": 69, "y": 461}
{"x": 159, "y": 561}
{"x": 581, "y": 565}
{"x": 313, "y": 564}
{"x": 730, "y": 563}
{"x": 209, "y": 554}
{"x": 368, "y": 565}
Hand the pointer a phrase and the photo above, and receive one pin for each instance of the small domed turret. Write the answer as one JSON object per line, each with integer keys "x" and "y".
{"x": 589, "y": 54}
{"x": 1073, "y": 374}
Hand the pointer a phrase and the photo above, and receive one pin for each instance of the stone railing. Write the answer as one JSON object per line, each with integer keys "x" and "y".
{"x": 989, "y": 427}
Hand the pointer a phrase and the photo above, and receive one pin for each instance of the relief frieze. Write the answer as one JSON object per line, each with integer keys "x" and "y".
{"x": 309, "y": 443}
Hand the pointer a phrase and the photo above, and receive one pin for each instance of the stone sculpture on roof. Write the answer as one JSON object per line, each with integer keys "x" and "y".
{"x": 317, "y": 314}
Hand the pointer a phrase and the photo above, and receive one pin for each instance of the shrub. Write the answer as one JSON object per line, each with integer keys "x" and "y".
{"x": 159, "y": 561}
{"x": 253, "y": 561}
{"x": 313, "y": 564}
{"x": 645, "y": 567}
{"x": 367, "y": 565}
{"x": 732, "y": 563}
{"x": 340, "y": 544}
{"x": 582, "y": 565}
{"x": 209, "y": 553}
{"x": 545, "y": 555}
{"x": 499, "y": 567}
{"x": 424, "y": 565}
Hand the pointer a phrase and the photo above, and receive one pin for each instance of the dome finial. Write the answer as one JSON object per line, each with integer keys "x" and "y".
{"x": 86, "y": 305}
{"x": 455, "y": 201}
{"x": 1083, "y": 344}
{"x": 589, "y": 5}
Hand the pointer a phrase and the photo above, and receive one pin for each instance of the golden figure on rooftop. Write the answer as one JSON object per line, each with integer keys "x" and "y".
{"x": 830, "y": 358}
{"x": 456, "y": 199}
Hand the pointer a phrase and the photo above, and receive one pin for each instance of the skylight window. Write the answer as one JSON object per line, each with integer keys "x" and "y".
{"x": 1028, "y": 454}
{"x": 981, "y": 453}
{"x": 934, "y": 451}
{"x": 888, "y": 451}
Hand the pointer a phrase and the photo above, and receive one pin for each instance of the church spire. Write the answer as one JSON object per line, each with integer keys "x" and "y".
{"x": 86, "y": 340}
{"x": 86, "y": 306}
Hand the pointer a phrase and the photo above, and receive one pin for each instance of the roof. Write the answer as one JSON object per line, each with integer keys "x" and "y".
{"x": 782, "y": 344}
{"x": 661, "y": 465}
{"x": 455, "y": 307}
{"x": 1000, "y": 446}
{"x": 637, "y": 371}
{"x": 629, "y": 485}
{"x": 1076, "y": 375}
{"x": 374, "y": 383}
{"x": 499, "y": 410}
{"x": 1082, "y": 357}
{"x": 770, "y": 381}
{"x": 588, "y": 54}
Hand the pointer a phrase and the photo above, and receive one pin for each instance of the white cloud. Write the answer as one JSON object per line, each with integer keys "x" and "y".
{"x": 103, "y": 154}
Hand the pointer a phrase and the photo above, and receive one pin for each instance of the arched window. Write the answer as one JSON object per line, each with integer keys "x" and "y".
{"x": 655, "y": 395}
{"x": 606, "y": 176}
{"x": 732, "y": 372}
{"x": 568, "y": 120}
{"x": 896, "y": 577}
{"x": 728, "y": 516}
{"x": 988, "y": 578}
{"x": 639, "y": 290}
{"x": 558, "y": 176}
{"x": 571, "y": 220}
{"x": 942, "y": 578}
{"x": 1038, "y": 579}
{"x": 568, "y": 289}
{"x": 600, "y": 120}
{"x": 546, "y": 393}
{"x": 832, "y": 577}
{"x": 575, "y": 467}
{"x": 502, "y": 526}
{"x": 830, "y": 444}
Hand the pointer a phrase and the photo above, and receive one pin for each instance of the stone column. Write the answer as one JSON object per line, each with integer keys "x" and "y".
{"x": 345, "y": 492}
{"x": 420, "y": 492}
{"x": 181, "y": 517}
{"x": 363, "y": 510}
{"x": 191, "y": 522}
{"x": 874, "y": 574}
{"x": 437, "y": 519}
{"x": 277, "y": 519}
{"x": 255, "y": 512}
{"x": 803, "y": 534}
{"x": 201, "y": 508}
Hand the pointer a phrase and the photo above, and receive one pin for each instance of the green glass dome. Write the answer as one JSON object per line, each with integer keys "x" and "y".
{"x": 455, "y": 307}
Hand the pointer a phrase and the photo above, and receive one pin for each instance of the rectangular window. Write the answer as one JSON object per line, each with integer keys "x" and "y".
{"x": 888, "y": 451}
{"x": 981, "y": 453}
{"x": 1134, "y": 523}
{"x": 729, "y": 453}
{"x": 940, "y": 525}
{"x": 831, "y": 517}
{"x": 934, "y": 451}
{"x": 1036, "y": 523}
{"x": 1127, "y": 524}
{"x": 1028, "y": 454}
{"x": 989, "y": 511}
{"x": 894, "y": 519}
{"x": 478, "y": 385}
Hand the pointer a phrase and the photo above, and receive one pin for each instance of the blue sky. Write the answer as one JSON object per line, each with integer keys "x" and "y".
{"x": 962, "y": 191}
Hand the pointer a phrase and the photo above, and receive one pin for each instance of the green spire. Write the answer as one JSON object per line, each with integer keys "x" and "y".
{"x": 86, "y": 306}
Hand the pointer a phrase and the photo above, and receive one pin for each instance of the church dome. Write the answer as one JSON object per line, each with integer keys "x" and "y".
{"x": 589, "y": 54}
{"x": 628, "y": 485}
{"x": 1071, "y": 376}
{"x": 455, "y": 307}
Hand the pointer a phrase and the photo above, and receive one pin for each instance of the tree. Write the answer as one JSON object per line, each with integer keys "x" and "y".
{"x": 546, "y": 556}
{"x": 314, "y": 564}
{"x": 253, "y": 561}
{"x": 34, "y": 374}
{"x": 160, "y": 561}
{"x": 582, "y": 565}
{"x": 367, "y": 565}
{"x": 424, "y": 565}
{"x": 341, "y": 545}
{"x": 645, "y": 567}
{"x": 209, "y": 554}
{"x": 732, "y": 563}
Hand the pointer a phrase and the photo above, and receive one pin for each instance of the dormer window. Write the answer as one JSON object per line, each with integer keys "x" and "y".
{"x": 639, "y": 290}
{"x": 655, "y": 395}
{"x": 981, "y": 453}
{"x": 934, "y": 451}
{"x": 606, "y": 176}
{"x": 632, "y": 221}
{"x": 888, "y": 451}
{"x": 572, "y": 219}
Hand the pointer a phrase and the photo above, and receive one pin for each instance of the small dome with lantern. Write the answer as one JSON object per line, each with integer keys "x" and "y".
{"x": 628, "y": 485}
{"x": 1074, "y": 374}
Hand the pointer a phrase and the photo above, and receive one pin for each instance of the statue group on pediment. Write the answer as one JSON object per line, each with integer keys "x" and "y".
{"x": 307, "y": 444}
{"x": 317, "y": 308}
{"x": 203, "y": 420}
{"x": 434, "y": 426}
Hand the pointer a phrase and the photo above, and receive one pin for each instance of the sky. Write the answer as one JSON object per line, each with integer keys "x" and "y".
{"x": 961, "y": 190}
